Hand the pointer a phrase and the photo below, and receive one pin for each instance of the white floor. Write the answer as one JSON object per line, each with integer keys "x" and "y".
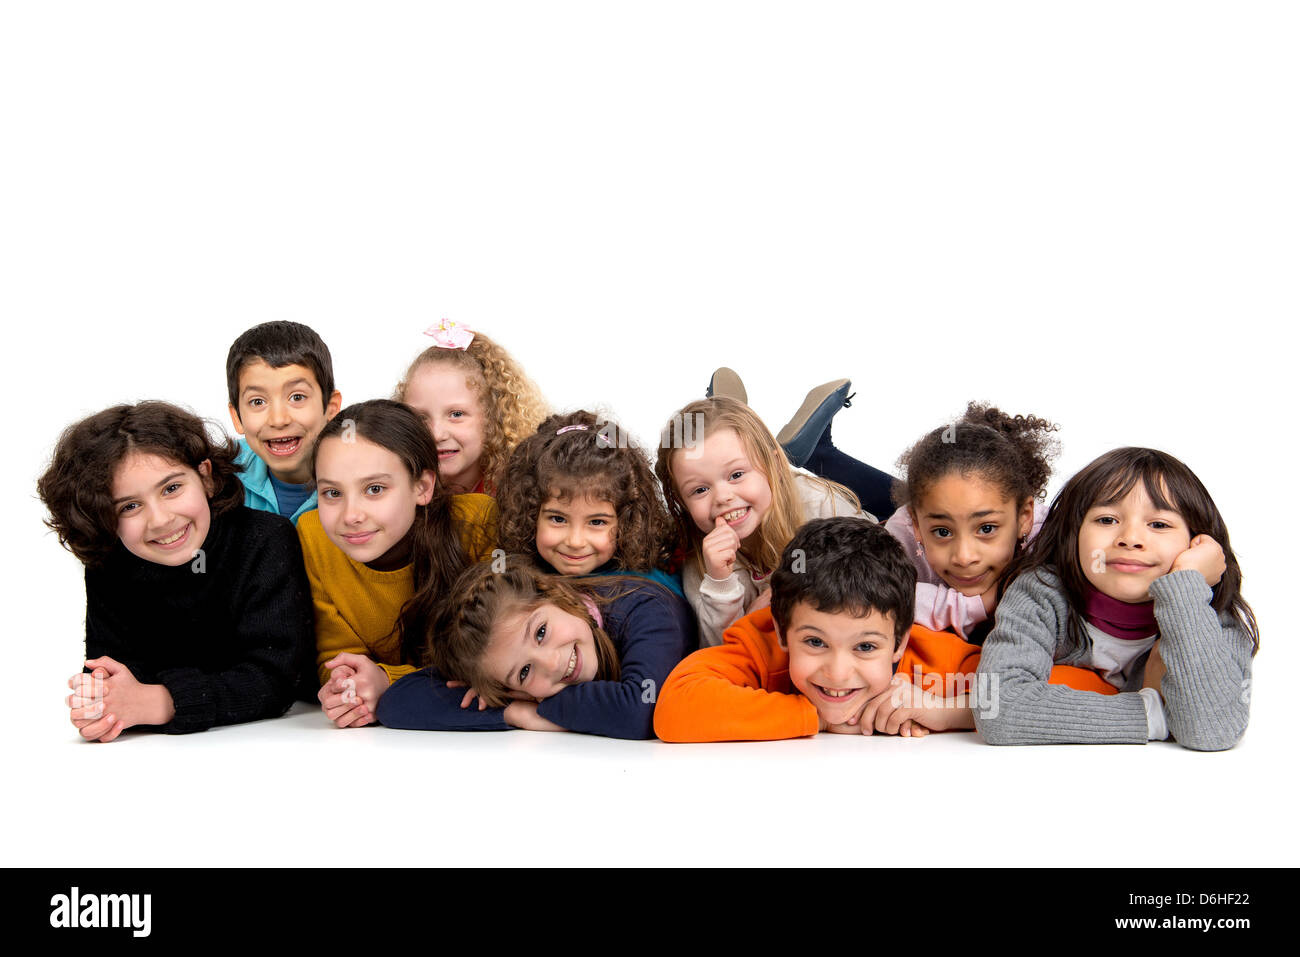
{"x": 296, "y": 791}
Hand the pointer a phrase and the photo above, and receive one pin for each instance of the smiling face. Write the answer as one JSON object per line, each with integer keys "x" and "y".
{"x": 442, "y": 394}
{"x": 540, "y": 652}
{"x": 367, "y": 499}
{"x": 840, "y": 661}
{"x": 719, "y": 478}
{"x": 578, "y": 535}
{"x": 969, "y": 530}
{"x": 162, "y": 507}
{"x": 1125, "y": 546}
{"x": 280, "y": 413}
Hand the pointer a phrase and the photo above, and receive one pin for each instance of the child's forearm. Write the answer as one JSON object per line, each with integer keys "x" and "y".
{"x": 941, "y": 608}
{"x": 950, "y": 714}
{"x": 717, "y": 605}
{"x": 422, "y": 701}
{"x": 1205, "y": 686}
{"x": 1019, "y": 706}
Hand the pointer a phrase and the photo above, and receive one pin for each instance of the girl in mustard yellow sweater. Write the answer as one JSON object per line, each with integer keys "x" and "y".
{"x": 385, "y": 544}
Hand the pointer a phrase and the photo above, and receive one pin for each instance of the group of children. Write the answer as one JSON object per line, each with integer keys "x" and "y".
{"x": 454, "y": 558}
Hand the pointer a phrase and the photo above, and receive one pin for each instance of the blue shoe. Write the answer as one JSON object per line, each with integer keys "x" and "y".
{"x": 801, "y": 433}
{"x": 725, "y": 382}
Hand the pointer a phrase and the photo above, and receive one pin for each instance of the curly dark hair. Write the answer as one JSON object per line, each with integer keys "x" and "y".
{"x": 845, "y": 564}
{"x": 77, "y": 487}
{"x": 580, "y": 453}
{"x": 1013, "y": 453}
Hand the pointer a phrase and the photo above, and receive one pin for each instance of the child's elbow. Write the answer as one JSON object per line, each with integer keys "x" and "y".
{"x": 668, "y": 725}
{"x": 1218, "y": 737}
{"x": 994, "y": 730}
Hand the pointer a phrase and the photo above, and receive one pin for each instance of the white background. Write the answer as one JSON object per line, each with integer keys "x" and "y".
{"x": 1086, "y": 212}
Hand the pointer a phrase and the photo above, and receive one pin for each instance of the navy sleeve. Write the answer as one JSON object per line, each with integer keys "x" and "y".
{"x": 421, "y": 701}
{"x": 653, "y": 632}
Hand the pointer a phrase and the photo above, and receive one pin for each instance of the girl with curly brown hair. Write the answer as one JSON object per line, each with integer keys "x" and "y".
{"x": 198, "y": 611}
{"x": 477, "y": 402}
{"x": 969, "y": 504}
{"x": 580, "y": 497}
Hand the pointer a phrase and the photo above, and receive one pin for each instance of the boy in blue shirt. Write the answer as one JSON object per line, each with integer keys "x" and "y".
{"x": 280, "y": 381}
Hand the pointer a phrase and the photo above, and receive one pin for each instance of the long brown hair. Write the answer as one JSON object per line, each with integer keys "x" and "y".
{"x": 512, "y": 404}
{"x": 77, "y": 487}
{"x": 483, "y": 595}
{"x": 579, "y": 454}
{"x": 1106, "y": 480}
{"x": 694, "y": 423}
{"x": 436, "y": 551}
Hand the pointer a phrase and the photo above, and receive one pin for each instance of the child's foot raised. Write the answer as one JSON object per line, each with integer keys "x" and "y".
{"x": 799, "y": 436}
{"x": 725, "y": 382}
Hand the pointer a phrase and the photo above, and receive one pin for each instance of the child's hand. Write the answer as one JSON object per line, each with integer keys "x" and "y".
{"x": 470, "y": 695}
{"x": 851, "y": 726}
{"x": 338, "y": 696}
{"x": 110, "y": 699}
{"x": 1155, "y": 668}
{"x": 1205, "y": 555}
{"x": 720, "y": 547}
{"x": 904, "y": 710}
{"x": 87, "y": 704}
{"x": 351, "y": 695}
{"x": 523, "y": 714}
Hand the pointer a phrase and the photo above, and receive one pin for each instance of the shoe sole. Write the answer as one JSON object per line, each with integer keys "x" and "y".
{"x": 725, "y": 382}
{"x": 810, "y": 405}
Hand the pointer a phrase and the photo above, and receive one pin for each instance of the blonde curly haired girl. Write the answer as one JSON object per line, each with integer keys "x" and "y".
{"x": 477, "y": 401}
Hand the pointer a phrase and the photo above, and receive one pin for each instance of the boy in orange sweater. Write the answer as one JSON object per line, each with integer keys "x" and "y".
{"x": 832, "y": 653}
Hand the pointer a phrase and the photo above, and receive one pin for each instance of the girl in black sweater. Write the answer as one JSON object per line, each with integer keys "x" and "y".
{"x": 198, "y": 611}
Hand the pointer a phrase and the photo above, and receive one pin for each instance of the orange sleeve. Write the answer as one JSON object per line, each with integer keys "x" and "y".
{"x": 1080, "y": 679}
{"x": 736, "y": 691}
{"x": 941, "y": 654}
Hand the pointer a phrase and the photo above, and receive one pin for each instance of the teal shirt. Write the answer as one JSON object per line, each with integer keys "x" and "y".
{"x": 259, "y": 493}
{"x": 672, "y": 582}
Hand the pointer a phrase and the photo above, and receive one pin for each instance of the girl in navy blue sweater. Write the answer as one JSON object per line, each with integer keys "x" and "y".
{"x": 545, "y": 653}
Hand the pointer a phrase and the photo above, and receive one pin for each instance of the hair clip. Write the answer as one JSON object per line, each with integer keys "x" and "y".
{"x": 571, "y": 428}
{"x": 450, "y": 334}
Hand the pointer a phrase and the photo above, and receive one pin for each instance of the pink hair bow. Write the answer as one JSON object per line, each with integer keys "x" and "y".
{"x": 450, "y": 334}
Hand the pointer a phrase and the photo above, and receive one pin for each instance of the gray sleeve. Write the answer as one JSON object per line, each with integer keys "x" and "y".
{"x": 1207, "y": 665}
{"x": 1016, "y": 704}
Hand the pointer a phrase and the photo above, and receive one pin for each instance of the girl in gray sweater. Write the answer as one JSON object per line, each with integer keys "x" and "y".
{"x": 1132, "y": 576}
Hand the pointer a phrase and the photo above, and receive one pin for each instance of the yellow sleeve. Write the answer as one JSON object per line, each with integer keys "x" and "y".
{"x": 324, "y": 562}
{"x": 397, "y": 671}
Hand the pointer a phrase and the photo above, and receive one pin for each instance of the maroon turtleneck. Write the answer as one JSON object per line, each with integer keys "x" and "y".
{"x": 1119, "y": 619}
